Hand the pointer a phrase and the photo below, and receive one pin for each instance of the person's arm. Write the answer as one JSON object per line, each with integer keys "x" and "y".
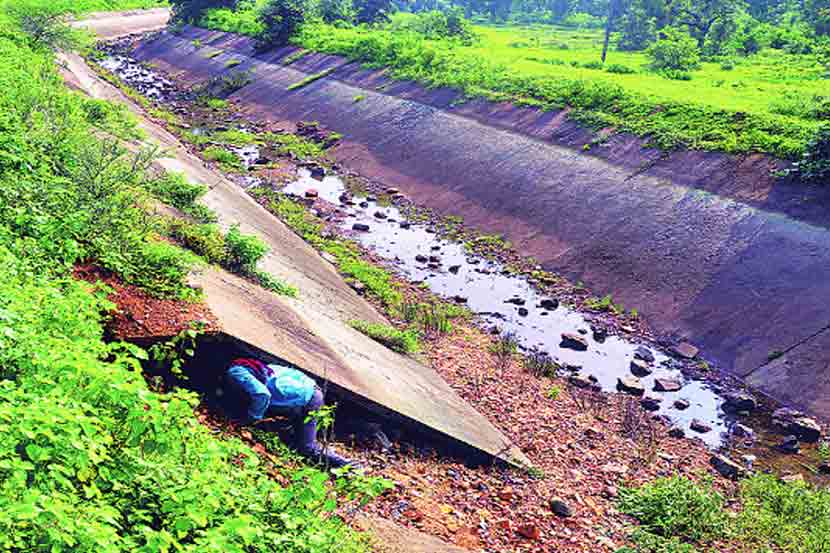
{"x": 260, "y": 397}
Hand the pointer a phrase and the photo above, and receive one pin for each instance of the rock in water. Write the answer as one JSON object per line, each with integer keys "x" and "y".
{"x": 666, "y": 385}
{"x": 630, "y": 385}
{"x": 574, "y": 341}
{"x": 739, "y": 401}
{"x": 796, "y": 423}
{"x": 360, "y": 227}
{"x": 700, "y": 426}
{"x": 789, "y": 445}
{"x": 644, "y": 354}
{"x": 651, "y": 403}
{"x": 681, "y": 404}
{"x": 549, "y": 304}
{"x": 640, "y": 368}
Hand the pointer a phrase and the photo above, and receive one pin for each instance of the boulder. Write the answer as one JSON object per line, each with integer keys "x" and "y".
{"x": 651, "y": 403}
{"x": 666, "y": 385}
{"x": 796, "y": 423}
{"x": 420, "y": 258}
{"x": 574, "y": 341}
{"x": 685, "y": 350}
{"x": 312, "y": 194}
{"x": 405, "y": 224}
{"x": 515, "y": 301}
{"x": 580, "y": 381}
{"x": 727, "y": 467}
{"x": 789, "y": 445}
{"x": 677, "y": 432}
{"x": 380, "y": 215}
{"x": 742, "y": 431}
{"x": 644, "y": 354}
{"x": 523, "y": 312}
{"x": 739, "y": 401}
{"x": 681, "y": 404}
{"x": 549, "y": 304}
{"x": 640, "y": 368}
{"x": 560, "y": 508}
{"x": 630, "y": 385}
{"x": 360, "y": 227}
{"x": 700, "y": 426}
{"x": 454, "y": 269}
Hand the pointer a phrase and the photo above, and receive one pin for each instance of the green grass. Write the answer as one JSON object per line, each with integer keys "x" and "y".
{"x": 294, "y": 145}
{"x": 227, "y": 160}
{"x": 311, "y": 78}
{"x": 402, "y": 341}
{"x": 677, "y": 514}
{"x": 751, "y": 107}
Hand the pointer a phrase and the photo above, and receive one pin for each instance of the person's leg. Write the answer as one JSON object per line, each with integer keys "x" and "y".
{"x": 306, "y": 436}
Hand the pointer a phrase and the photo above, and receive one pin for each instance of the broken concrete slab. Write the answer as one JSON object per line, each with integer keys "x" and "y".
{"x": 328, "y": 349}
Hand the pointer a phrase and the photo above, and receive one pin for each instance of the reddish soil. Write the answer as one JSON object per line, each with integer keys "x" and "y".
{"x": 138, "y": 315}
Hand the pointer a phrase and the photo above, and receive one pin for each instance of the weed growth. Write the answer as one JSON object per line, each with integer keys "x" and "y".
{"x": 402, "y": 341}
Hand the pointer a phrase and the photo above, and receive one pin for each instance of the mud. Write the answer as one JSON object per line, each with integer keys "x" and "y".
{"x": 737, "y": 280}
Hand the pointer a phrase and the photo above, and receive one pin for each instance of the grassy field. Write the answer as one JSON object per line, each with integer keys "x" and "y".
{"x": 763, "y": 103}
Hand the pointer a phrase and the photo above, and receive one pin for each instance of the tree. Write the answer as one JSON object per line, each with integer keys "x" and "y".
{"x": 281, "y": 19}
{"x": 191, "y": 11}
{"x": 372, "y": 11}
{"x": 614, "y": 7}
{"x": 675, "y": 51}
{"x": 332, "y": 11}
{"x": 817, "y": 13}
{"x": 700, "y": 16}
{"x": 638, "y": 28}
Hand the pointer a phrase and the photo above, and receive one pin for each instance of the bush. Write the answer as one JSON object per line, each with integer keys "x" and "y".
{"x": 332, "y": 11}
{"x": 593, "y": 65}
{"x": 206, "y": 241}
{"x": 191, "y": 11}
{"x": 620, "y": 69}
{"x": 373, "y": 11}
{"x": 582, "y": 20}
{"x": 402, "y": 341}
{"x": 228, "y": 160}
{"x": 435, "y": 25}
{"x": 243, "y": 250}
{"x": 281, "y": 19}
{"x": 675, "y": 51}
{"x": 676, "y": 507}
{"x": 814, "y": 166}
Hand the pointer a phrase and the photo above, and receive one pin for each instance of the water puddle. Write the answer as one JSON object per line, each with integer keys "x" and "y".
{"x": 510, "y": 303}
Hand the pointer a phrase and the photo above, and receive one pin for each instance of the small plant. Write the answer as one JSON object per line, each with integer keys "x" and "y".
{"x": 170, "y": 356}
{"x": 505, "y": 348}
{"x": 553, "y": 392}
{"x": 677, "y": 507}
{"x": 540, "y": 364}
{"x": 402, "y": 341}
{"x": 620, "y": 69}
{"x": 311, "y": 78}
{"x": 230, "y": 64}
{"x": 675, "y": 51}
{"x": 359, "y": 98}
{"x": 296, "y": 56}
{"x": 227, "y": 160}
{"x": 243, "y": 250}
{"x": 205, "y": 240}
{"x": 196, "y": 43}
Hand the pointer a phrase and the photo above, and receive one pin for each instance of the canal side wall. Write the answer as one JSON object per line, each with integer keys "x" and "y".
{"x": 707, "y": 246}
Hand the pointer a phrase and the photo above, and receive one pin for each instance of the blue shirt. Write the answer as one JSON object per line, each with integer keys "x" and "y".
{"x": 287, "y": 389}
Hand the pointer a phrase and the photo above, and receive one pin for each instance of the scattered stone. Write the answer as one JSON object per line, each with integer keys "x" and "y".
{"x": 459, "y": 299}
{"x": 611, "y": 492}
{"x": 651, "y": 403}
{"x": 630, "y": 385}
{"x": 560, "y": 508}
{"x": 435, "y": 248}
{"x": 523, "y": 312}
{"x": 681, "y": 404}
{"x": 435, "y": 259}
{"x": 364, "y": 204}
{"x": 358, "y": 287}
{"x": 795, "y": 422}
{"x": 686, "y": 350}
{"x": 640, "y": 368}
{"x": 739, "y": 401}
{"x": 549, "y": 304}
{"x": 666, "y": 385}
{"x": 700, "y": 426}
{"x": 796, "y": 477}
{"x": 515, "y": 301}
{"x": 371, "y": 198}
{"x": 360, "y": 227}
{"x": 574, "y": 341}
{"x": 583, "y": 331}
{"x": 749, "y": 459}
{"x": 507, "y": 494}
{"x": 570, "y": 367}
{"x": 580, "y": 381}
{"x": 824, "y": 467}
{"x": 454, "y": 269}
{"x": 644, "y": 354}
{"x": 789, "y": 445}
{"x": 600, "y": 334}
{"x": 420, "y": 258}
{"x": 677, "y": 432}
{"x": 392, "y": 191}
{"x": 381, "y": 215}
{"x": 727, "y": 467}
{"x": 743, "y": 431}
{"x": 529, "y": 531}
{"x": 312, "y": 194}
{"x": 405, "y": 224}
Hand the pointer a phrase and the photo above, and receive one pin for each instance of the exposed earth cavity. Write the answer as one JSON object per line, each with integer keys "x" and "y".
{"x": 510, "y": 304}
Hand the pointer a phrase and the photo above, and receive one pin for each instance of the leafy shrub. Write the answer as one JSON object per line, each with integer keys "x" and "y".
{"x": 243, "y": 250}
{"x": 582, "y": 20}
{"x": 332, "y": 11}
{"x": 175, "y": 190}
{"x": 620, "y": 69}
{"x": 646, "y": 542}
{"x": 402, "y": 341}
{"x": 676, "y": 507}
{"x": 675, "y": 51}
{"x": 676, "y": 75}
{"x": 280, "y": 21}
{"x": 373, "y": 11}
{"x": 814, "y": 166}
{"x": 43, "y": 24}
{"x": 206, "y": 241}
{"x": 790, "y": 515}
{"x": 228, "y": 160}
{"x": 593, "y": 65}
{"x": 191, "y": 11}
{"x": 435, "y": 24}
{"x": 727, "y": 65}
{"x": 638, "y": 28}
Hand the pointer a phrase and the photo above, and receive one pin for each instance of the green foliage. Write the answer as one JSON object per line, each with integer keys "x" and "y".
{"x": 435, "y": 24}
{"x": 676, "y": 507}
{"x": 646, "y": 542}
{"x": 638, "y": 28}
{"x": 311, "y": 78}
{"x": 675, "y": 51}
{"x": 814, "y": 167}
{"x": 620, "y": 69}
{"x": 553, "y": 392}
{"x": 280, "y": 20}
{"x": 170, "y": 356}
{"x": 333, "y": 11}
{"x": 44, "y": 24}
{"x": 433, "y": 317}
{"x": 227, "y": 160}
{"x": 205, "y": 240}
{"x": 402, "y": 341}
{"x": 372, "y": 11}
{"x": 294, "y": 145}
{"x": 175, "y": 190}
{"x": 243, "y": 250}
{"x": 191, "y": 11}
